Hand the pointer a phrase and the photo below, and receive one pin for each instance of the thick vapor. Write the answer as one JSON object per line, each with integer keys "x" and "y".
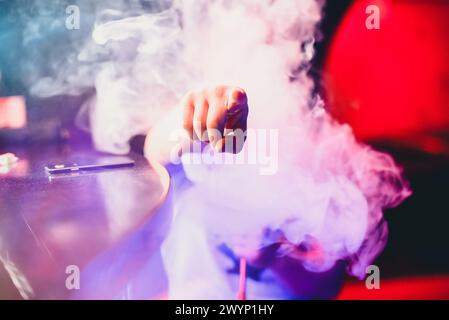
{"x": 329, "y": 192}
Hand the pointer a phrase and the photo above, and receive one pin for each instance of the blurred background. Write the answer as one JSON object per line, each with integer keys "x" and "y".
{"x": 391, "y": 85}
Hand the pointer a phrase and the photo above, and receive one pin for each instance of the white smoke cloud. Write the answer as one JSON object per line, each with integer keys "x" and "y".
{"x": 142, "y": 56}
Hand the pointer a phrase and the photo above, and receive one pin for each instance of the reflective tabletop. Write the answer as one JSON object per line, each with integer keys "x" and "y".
{"x": 83, "y": 235}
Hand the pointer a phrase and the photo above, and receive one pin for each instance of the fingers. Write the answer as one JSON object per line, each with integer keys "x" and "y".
{"x": 216, "y": 117}
{"x": 200, "y": 117}
{"x": 234, "y": 135}
{"x": 210, "y": 114}
{"x": 236, "y": 121}
{"x": 188, "y": 108}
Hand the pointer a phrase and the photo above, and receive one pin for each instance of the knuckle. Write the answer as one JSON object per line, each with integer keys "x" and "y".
{"x": 187, "y": 125}
{"x": 188, "y": 97}
{"x": 213, "y": 123}
{"x": 201, "y": 104}
{"x": 219, "y": 91}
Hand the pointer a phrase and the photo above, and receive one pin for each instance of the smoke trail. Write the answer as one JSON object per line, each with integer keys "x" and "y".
{"x": 142, "y": 56}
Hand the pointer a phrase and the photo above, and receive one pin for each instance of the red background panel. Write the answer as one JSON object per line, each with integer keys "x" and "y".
{"x": 391, "y": 82}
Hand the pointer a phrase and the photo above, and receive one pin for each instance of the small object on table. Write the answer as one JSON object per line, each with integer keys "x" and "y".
{"x": 92, "y": 164}
{"x": 8, "y": 159}
{"x": 7, "y": 162}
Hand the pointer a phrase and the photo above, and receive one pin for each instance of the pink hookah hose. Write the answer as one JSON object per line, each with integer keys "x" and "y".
{"x": 241, "y": 295}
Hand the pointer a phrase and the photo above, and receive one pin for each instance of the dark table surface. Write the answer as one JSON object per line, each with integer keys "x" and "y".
{"x": 108, "y": 224}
